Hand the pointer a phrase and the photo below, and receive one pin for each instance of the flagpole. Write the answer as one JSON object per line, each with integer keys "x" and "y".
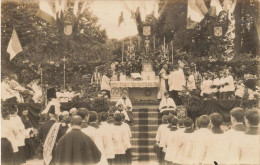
{"x": 154, "y": 43}
{"x": 64, "y": 72}
{"x": 172, "y": 52}
{"x": 123, "y": 52}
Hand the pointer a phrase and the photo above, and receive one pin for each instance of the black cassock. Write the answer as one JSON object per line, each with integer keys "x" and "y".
{"x": 76, "y": 148}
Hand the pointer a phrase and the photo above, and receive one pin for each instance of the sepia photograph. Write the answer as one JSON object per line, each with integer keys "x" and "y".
{"x": 130, "y": 82}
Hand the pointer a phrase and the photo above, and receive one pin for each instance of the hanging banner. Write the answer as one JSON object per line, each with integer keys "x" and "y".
{"x": 218, "y": 31}
{"x": 146, "y": 30}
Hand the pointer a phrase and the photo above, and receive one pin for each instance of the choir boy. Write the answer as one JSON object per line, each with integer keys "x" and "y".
{"x": 167, "y": 104}
{"x": 94, "y": 132}
{"x": 76, "y": 147}
{"x": 159, "y": 136}
{"x": 230, "y": 88}
{"x": 217, "y": 148}
{"x": 183, "y": 143}
{"x": 206, "y": 85}
{"x": 216, "y": 86}
{"x": 120, "y": 141}
{"x": 108, "y": 129}
{"x": 199, "y": 140}
{"x": 237, "y": 119}
{"x": 127, "y": 105}
{"x": 9, "y": 131}
{"x": 20, "y": 137}
{"x": 171, "y": 150}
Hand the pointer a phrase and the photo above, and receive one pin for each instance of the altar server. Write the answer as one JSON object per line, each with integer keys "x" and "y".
{"x": 170, "y": 151}
{"x": 37, "y": 90}
{"x": 76, "y": 147}
{"x": 105, "y": 84}
{"x": 183, "y": 146}
{"x": 200, "y": 139}
{"x": 120, "y": 141}
{"x": 191, "y": 85}
{"x": 159, "y": 136}
{"x": 8, "y": 132}
{"x": 127, "y": 105}
{"x": 206, "y": 85}
{"x": 217, "y": 149}
{"x": 167, "y": 104}
{"x": 239, "y": 90}
{"x": 20, "y": 137}
{"x": 163, "y": 80}
{"x": 94, "y": 132}
{"x": 216, "y": 86}
{"x": 237, "y": 119}
{"x": 108, "y": 129}
{"x": 230, "y": 88}
{"x": 49, "y": 134}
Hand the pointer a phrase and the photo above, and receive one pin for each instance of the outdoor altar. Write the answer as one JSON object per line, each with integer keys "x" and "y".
{"x": 142, "y": 86}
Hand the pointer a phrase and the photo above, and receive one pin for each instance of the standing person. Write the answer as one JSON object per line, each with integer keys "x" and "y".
{"x": 105, "y": 84}
{"x": 53, "y": 101}
{"x": 49, "y": 134}
{"x": 191, "y": 85}
{"x": 216, "y": 86}
{"x": 108, "y": 128}
{"x": 159, "y": 137}
{"x": 120, "y": 141}
{"x": 237, "y": 120}
{"x": 76, "y": 147}
{"x": 170, "y": 150}
{"x": 206, "y": 90}
{"x": 230, "y": 88}
{"x": 94, "y": 132}
{"x": 199, "y": 141}
{"x": 37, "y": 90}
{"x": 20, "y": 137}
{"x": 96, "y": 78}
{"x": 29, "y": 135}
{"x": 224, "y": 82}
{"x": 127, "y": 105}
{"x": 217, "y": 149}
{"x": 163, "y": 80}
{"x": 8, "y": 133}
{"x": 128, "y": 151}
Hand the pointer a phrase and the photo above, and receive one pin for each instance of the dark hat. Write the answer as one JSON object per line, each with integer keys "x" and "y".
{"x": 51, "y": 93}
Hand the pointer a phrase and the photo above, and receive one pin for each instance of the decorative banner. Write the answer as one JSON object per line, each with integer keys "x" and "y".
{"x": 218, "y": 31}
{"x": 68, "y": 30}
{"x": 146, "y": 30}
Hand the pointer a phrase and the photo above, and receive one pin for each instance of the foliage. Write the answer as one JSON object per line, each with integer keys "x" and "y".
{"x": 44, "y": 45}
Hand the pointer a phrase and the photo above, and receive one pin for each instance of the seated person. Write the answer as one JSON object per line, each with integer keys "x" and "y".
{"x": 167, "y": 104}
{"x": 14, "y": 85}
{"x": 121, "y": 109}
{"x": 71, "y": 94}
{"x": 36, "y": 88}
{"x": 127, "y": 105}
{"x": 8, "y": 93}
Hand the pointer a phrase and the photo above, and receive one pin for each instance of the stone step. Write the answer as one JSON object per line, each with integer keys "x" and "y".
{"x": 143, "y": 149}
{"x": 145, "y": 114}
{"x": 143, "y": 141}
{"x": 150, "y": 134}
{"x": 144, "y": 156}
{"x": 146, "y": 121}
{"x": 144, "y": 128}
{"x": 145, "y": 110}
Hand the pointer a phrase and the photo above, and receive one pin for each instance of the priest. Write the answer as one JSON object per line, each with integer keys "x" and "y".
{"x": 163, "y": 81}
{"x": 76, "y": 147}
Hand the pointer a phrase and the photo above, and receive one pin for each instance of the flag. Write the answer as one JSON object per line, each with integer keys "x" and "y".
{"x": 14, "y": 46}
{"x": 215, "y": 8}
{"x": 60, "y": 6}
{"x": 76, "y": 8}
{"x": 202, "y": 6}
{"x": 121, "y": 19}
{"x": 194, "y": 15}
{"x": 46, "y": 11}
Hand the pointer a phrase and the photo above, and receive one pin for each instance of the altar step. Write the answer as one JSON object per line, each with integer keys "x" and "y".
{"x": 144, "y": 132}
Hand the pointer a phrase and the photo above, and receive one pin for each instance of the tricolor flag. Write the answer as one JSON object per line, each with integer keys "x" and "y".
{"x": 14, "y": 46}
{"x": 60, "y": 6}
{"x": 216, "y": 7}
{"x": 46, "y": 11}
{"x": 195, "y": 13}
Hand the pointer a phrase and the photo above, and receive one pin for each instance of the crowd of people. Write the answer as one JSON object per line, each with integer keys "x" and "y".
{"x": 181, "y": 141}
{"x": 181, "y": 78}
{"x": 79, "y": 136}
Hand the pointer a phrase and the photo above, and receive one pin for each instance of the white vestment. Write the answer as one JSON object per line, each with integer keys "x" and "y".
{"x": 162, "y": 87}
{"x": 126, "y": 103}
{"x": 167, "y": 102}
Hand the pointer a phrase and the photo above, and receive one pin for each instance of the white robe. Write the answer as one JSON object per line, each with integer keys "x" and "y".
{"x": 206, "y": 87}
{"x": 177, "y": 80}
{"x": 20, "y": 137}
{"x": 191, "y": 83}
{"x": 37, "y": 93}
{"x": 10, "y": 131}
{"x": 162, "y": 87}
{"x": 167, "y": 103}
{"x": 171, "y": 146}
{"x": 105, "y": 83}
{"x": 98, "y": 137}
{"x": 109, "y": 146}
{"x": 120, "y": 139}
{"x": 159, "y": 132}
{"x": 7, "y": 93}
{"x": 126, "y": 103}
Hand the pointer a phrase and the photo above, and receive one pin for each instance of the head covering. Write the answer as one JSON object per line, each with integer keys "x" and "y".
{"x": 51, "y": 93}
